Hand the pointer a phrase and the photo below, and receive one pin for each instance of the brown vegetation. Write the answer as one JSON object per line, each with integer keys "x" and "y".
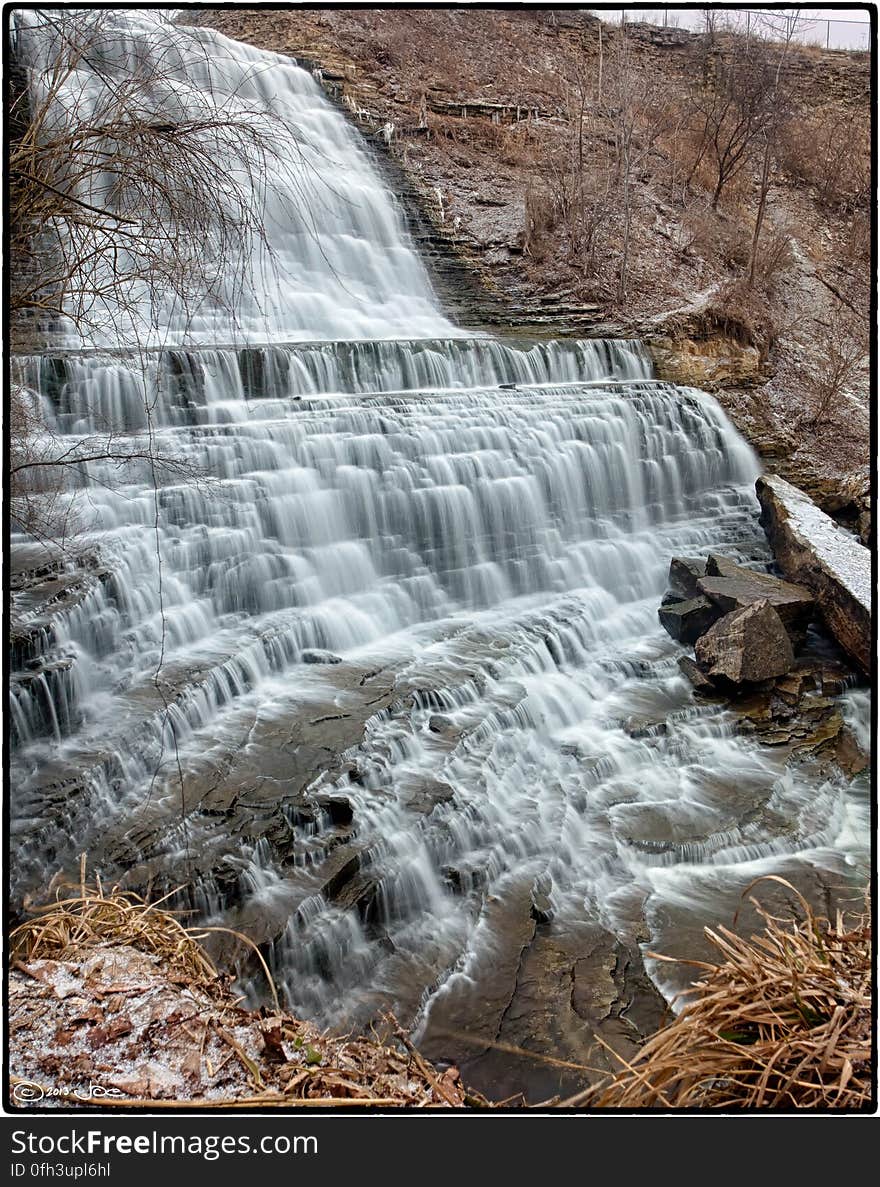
{"x": 783, "y": 1020}
{"x": 138, "y": 994}
{"x": 576, "y": 155}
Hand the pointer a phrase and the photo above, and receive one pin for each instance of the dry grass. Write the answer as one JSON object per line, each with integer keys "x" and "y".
{"x": 782, "y": 1021}
{"x": 94, "y": 917}
{"x": 298, "y": 1066}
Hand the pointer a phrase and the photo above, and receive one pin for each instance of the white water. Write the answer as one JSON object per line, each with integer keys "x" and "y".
{"x": 333, "y": 262}
{"x": 500, "y": 551}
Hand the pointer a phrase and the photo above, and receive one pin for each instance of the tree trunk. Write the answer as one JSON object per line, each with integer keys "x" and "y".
{"x": 624, "y": 261}
{"x": 759, "y": 217}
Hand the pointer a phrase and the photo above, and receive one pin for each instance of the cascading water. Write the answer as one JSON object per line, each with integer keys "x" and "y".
{"x": 330, "y": 260}
{"x": 495, "y": 715}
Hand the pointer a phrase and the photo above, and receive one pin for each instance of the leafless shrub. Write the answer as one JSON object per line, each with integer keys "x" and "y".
{"x": 773, "y": 259}
{"x": 518, "y": 143}
{"x": 588, "y": 190}
{"x": 731, "y": 105}
{"x": 48, "y": 471}
{"x": 850, "y": 265}
{"x": 834, "y": 359}
{"x": 744, "y": 314}
{"x": 542, "y": 214}
{"x": 116, "y": 204}
{"x": 722, "y": 240}
{"x": 38, "y": 506}
{"x": 831, "y": 152}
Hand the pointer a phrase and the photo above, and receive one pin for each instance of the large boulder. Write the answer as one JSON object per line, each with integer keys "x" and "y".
{"x": 686, "y": 621}
{"x": 722, "y": 566}
{"x": 736, "y": 587}
{"x": 745, "y": 647}
{"x": 811, "y": 549}
{"x": 684, "y": 573}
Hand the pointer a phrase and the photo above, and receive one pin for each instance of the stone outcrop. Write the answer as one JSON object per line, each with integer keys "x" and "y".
{"x": 702, "y": 591}
{"x": 686, "y": 621}
{"x": 701, "y": 682}
{"x": 746, "y": 656}
{"x": 314, "y": 655}
{"x": 740, "y": 587}
{"x": 684, "y": 573}
{"x": 748, "y": 645}
{"x": 714, "y": 363}
{"x": 813, "y": 551}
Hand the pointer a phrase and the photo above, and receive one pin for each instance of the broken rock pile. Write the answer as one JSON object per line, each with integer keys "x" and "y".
{"x": 748, "y": 630}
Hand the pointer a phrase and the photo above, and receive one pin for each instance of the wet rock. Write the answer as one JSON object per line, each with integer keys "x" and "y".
{"x": 684, "y": 573}
{"x": 359, "y": 895}
{"x": 686, "y": 621}
{"x": 746, "y": 646}
{"x": 811, "y": 549}
{"x": 541, "y": 908}
{"x": 540, "y": 905}
{"x": 723, "y": 566}
{"x": 666, "y": 827}
{"x": 848, "y": 755}
{"x": 644, "y": 727}
{"x": 346, "y": 868}
{"x": 811, "y": 724}
{"x": 452, "y": 876}
{"x": 813, "y": 674}
{"x": 463, "y": 878}
{"x": 827, "y": 675}
{"x": 557, "y": 990}
{"x": 338, "y": 808}
{"x": 698, "y": 679}
{"x": 314, "y": 655}
{"x": 424, "y": 794}
{"x": 680, "y": 930}
{"x": 439, "y": 723}
{"x": 740, "y": 587}
{"x": 465, "y": 1019}
{"x": 577, "y": 750}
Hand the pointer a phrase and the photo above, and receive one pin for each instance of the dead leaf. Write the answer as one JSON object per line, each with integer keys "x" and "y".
{"x": 110, "y": 1033}
{"x": 191, "y": 1066}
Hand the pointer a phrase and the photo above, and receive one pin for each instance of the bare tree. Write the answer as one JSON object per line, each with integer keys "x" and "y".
{"x": 780, "y": 103}
{"x": 114, "y": 188}
{"x": 127, "y": 193}
{"x": 732, "y": 106}
{"x": 638, "y": 118}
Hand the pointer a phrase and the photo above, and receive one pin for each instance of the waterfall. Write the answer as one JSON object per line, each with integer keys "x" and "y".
{"x": 331, "y": 260}
{"x": 385, "y": 594}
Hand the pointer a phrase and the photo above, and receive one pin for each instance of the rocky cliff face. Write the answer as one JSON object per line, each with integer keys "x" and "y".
{"x": 716, "y": 362}
{"x": 811, "y": 549}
